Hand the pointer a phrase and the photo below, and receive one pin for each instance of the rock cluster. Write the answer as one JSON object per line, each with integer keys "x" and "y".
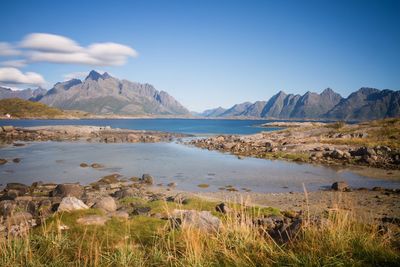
{"x": 23, "y": 207}
{"x": 10, "y": 134}
{"x": 261, "y": 146}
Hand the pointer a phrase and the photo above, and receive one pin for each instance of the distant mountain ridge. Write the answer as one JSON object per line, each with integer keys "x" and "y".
{"x": 364, "y": 104}
{"x": 22, "y": 94}
{"x": 104, "y": 94}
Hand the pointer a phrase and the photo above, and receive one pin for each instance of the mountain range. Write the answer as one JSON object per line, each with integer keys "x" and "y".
{"x": 103, "y": 94}
{"x": 364, "y": 104}
{"x": 23, "y": 94}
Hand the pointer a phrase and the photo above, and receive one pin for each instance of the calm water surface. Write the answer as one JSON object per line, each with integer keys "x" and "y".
{"x": 168, "y": 162}
{"x": 188, "y": 126}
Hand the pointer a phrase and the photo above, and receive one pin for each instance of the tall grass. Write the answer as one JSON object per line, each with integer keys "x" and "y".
{"x": 340, "y": 238}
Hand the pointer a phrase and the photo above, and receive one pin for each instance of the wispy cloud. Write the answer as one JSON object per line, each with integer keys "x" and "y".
{"x": 13, "y": 76}
{"x": 7, "y": 50}
{"x": 18, "y": 63}
{"x": 52, "y": 48}
{"x": 44, "y": 47}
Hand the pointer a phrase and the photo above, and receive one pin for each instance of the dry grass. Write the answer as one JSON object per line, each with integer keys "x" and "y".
{"x": 340, "y": 238}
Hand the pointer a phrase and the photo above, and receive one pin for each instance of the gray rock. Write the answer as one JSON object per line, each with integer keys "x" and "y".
{"x": 106, "y": 203}
{"x": 67, "y": 190}
{"x": 340, "y": 186}
{"x": 21, "y": 189}
{"x": 147, "y": 179}
{"x": 69, "y": 204}
{"x": 124, "y": 192}
{"x": 203, "y": 220}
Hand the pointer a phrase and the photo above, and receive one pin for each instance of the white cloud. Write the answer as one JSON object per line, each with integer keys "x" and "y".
{"x": 52, "y": 48}
{"x": 49, "y": 43}
{"x": 14, "y": 76}
{"x": 18, "y": 63}
{"x": 8, "y": 50}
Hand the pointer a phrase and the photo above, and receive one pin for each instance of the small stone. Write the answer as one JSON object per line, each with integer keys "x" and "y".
{"x": 84, "y": 165}
{"x": 97, "y": 165}
{"x": 340, "y": 186}
{"x": 17, "y": 160}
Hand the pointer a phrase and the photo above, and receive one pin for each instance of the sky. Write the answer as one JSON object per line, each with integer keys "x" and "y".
{"x": 205, "y": 53}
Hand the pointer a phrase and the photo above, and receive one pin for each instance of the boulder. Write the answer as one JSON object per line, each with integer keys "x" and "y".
{"x": 21, "y": 189}
{"x": 71, "y": 204}
{"x": 67, "y": 190}
{"x": 340, "y": 186}
{"x": 202, "y": 220}
{"x": 147, "y": 179}
{"x": 124, "y": 192}
{"x": 92, "y": 220}
{"x": 106, "y": 204}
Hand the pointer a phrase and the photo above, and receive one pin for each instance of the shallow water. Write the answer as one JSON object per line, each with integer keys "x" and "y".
{"x": 168, "y": 162}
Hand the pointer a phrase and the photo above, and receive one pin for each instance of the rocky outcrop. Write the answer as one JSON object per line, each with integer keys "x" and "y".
{"x": 86, "y": 133}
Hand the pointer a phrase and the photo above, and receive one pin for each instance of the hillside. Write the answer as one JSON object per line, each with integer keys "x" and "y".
{"x": 19, "y": 108}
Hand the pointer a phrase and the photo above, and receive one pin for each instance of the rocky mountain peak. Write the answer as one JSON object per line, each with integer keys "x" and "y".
{"x": 93, "y": 75}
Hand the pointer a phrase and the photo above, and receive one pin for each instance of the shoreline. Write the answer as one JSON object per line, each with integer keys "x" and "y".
{"x": 370, "y": 144}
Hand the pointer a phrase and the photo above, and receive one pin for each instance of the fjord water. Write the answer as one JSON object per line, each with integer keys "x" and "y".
{"x": 187, "y": 166}
{"x": 187, "y": 126}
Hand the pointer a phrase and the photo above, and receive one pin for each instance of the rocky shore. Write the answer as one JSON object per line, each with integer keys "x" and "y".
{"x": 24, "y": 207}
{"x": 10, "y": 134}
{"x": 372, "y": 144}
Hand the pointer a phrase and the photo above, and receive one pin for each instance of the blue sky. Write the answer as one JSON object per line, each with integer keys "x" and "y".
{"x": 218, "y": 53}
